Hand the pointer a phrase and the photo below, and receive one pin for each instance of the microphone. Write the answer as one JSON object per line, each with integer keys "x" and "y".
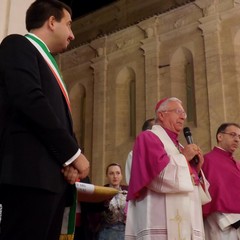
{"x": 188, "y": 135}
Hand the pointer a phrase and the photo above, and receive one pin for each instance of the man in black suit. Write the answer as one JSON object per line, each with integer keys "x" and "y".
{"x": 39, "y": 157}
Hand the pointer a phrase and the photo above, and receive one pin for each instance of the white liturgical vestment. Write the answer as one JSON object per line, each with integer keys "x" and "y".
{"x": 171, "y": 206}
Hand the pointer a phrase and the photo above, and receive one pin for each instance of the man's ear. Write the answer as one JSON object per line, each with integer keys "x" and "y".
{"x": 160, "y": 116}
{"x": 51, "y": 22}
{"x": 219, "y": 137}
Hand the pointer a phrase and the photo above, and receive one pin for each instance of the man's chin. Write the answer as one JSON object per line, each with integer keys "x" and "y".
{"x": 179, "y": 128}
{"x": 63, "y": 49}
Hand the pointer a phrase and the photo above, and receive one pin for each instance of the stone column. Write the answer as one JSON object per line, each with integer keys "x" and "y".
{"x": 99, "y": 64}
{"x": 150, "y": 46}
{"x": 12, "y": 16}
{"x": 217, "y": 112}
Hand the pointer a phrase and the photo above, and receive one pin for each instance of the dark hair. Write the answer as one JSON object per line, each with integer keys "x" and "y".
{"x": 113, "y": 164}
{"x": 223, "y": 127}
{"x": 147, "y": 124}
{"x": 40, "y": 10}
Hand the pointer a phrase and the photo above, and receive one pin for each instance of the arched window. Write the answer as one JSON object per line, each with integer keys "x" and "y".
{"x": 125, "y": 105}
{"x": 182, "y": 79}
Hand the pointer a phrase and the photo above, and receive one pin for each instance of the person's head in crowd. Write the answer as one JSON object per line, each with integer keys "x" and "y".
{"x": 148, "y": 124}
{"x": 170, "y": 114}
{"x": 114, "y": 174}
{"x": 228, "y": 137}
{"x": 51, "y": 21}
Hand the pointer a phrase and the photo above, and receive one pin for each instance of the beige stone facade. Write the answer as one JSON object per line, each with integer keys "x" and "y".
{"x": 118, "y": 15}
{"x": 188, "y": 50}
{"x": 114, "y": 81}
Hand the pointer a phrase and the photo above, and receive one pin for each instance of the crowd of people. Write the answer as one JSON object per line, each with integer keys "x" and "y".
{"x": 172, "y": 192}
{"x": 170, "y": 195}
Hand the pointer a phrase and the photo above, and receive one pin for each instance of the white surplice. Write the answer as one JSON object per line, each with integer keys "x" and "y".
{"x": 171, "y": 208}
{"x": 218, "y": 226}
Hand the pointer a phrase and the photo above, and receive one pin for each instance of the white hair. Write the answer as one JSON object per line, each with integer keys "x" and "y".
{"x": 164, "y": 105}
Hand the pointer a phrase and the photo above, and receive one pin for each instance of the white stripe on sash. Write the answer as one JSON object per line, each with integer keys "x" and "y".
{"x": 52, "y": 68}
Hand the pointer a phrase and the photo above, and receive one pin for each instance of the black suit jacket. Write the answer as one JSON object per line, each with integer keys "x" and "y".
{"x": 36, "y": 135}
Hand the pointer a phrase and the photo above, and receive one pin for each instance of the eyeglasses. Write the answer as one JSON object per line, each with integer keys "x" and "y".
{"x": 178, "y": 111}
{"x": 232, "y": 134}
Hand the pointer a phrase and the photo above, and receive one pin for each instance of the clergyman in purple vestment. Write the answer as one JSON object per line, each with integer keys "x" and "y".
{"x": 164, "y": 200}
{"x": 222, "y": 214}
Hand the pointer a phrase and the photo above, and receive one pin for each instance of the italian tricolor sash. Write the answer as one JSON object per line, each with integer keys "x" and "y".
{"x": 42, "y": 48}
{"x": 68, "y": 224}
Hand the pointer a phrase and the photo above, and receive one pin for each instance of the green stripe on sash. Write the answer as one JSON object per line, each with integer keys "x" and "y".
{"x": 72, "y": 214}
{"x": 52, "y": 59}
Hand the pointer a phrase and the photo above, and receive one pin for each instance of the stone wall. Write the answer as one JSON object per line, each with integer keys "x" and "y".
{"x": 114, "y": 81}
{"x": 118, "y": 15}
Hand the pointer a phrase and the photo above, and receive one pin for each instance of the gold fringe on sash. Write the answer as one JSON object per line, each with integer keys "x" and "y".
{"x": 66, "y": 237}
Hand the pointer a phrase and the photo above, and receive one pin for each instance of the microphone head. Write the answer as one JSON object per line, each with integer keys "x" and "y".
{"x": 187, "y": 132}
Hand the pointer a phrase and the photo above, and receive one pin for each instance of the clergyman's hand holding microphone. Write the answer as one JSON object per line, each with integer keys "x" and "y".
{"x": 188, "y": 135}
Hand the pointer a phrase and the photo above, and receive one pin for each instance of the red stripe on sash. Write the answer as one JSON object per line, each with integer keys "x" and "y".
{"x": 61, "y": 87}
